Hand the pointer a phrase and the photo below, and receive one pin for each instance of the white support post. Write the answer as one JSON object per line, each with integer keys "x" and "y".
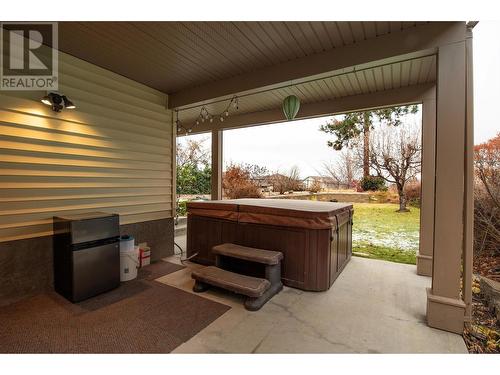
{"x": 445, "y": 307}
{"x": 469, "y": 185}
{"x": 174, "y": 167}
{"x": 426, "y": 245}
{"x": 216, "y": 164}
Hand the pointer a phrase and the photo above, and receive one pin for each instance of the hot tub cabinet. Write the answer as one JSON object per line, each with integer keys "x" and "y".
{"x": 314, "y": 237}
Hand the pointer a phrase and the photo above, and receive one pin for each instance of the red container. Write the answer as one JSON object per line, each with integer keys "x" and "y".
{"x": 144, "y": 256}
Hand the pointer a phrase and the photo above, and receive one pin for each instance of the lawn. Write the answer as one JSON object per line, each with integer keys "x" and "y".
{"x": 379, "y": 232}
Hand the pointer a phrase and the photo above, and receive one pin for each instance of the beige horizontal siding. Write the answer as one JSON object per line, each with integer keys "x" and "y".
{"x": 55, "y": 137}
{"x": 15, "y": 221}
{"x": 26, "y": 169}
{"x": 108, "y": 128}
{"x": 114, "y": 153}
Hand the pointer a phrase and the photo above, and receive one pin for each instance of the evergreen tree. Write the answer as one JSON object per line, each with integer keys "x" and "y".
{"x": 355, "y": 125}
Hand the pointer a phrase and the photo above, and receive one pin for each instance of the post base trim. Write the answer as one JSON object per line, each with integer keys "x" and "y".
{"x": 424, "y": 265}
{"x": 445, "y": 313}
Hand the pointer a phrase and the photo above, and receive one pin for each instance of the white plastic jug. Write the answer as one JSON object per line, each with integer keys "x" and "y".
{"x": 129, "y": 258}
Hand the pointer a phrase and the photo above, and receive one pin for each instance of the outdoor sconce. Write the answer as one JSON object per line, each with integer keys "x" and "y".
{"x": 57, "y": 101}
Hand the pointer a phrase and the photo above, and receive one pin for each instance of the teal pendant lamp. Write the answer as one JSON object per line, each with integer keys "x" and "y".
{"x": 291, "y": 106}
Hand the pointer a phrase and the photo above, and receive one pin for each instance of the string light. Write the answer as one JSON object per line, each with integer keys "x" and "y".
{"x": 206, "y": 115}
{"x": 179, "y": 126}
{"x": 177, "y": 122}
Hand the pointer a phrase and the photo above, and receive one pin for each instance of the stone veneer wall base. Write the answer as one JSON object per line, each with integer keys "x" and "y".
{"x": 26, "y": 266}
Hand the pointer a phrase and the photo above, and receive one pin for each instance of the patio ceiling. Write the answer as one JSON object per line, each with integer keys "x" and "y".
{"x": 206, "y": 63}
{"x": 174, "y": 56}
{"x": 364, "y": 81}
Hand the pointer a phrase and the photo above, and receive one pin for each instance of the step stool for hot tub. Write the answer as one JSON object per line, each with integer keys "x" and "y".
{"x": 258, "y": 290}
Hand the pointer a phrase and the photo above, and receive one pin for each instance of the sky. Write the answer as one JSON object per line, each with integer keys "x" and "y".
{"x": 486, "y": 47}
{"x": 300, "y": 143}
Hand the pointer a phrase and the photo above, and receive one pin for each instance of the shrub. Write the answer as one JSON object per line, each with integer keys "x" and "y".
{"x": 182, "y": 208}
{"x": 385, "y": 196}
{"x": 487, "y": 198}
{"x": 237, "y": 183}
{"x": 412, "y": 193}
{"x": 373, "y": 183}
{"x": 356, "y": 185}
{"x": 193, "y": 180}
{"x": 315, "y": 186}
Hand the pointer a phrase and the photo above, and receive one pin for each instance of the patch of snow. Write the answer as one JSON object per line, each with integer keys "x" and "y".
{"x": 406, "y": 241}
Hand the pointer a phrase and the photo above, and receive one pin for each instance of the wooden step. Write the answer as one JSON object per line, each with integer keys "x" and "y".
{"x": 242, "y": 284}
{"x": 248, "y": 253}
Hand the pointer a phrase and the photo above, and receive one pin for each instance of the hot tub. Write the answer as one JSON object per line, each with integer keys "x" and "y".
{"x": 314, "y": 237}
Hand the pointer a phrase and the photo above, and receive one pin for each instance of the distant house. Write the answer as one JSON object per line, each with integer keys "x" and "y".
{"x": 264, "y": 183}
{"x": 324, "y": 182}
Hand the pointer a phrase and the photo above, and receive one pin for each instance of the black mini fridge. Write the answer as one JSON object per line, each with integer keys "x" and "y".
{"x": 86, "y": 254}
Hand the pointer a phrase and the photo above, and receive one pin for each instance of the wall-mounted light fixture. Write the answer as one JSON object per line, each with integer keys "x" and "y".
{"x": 57, "y": 101}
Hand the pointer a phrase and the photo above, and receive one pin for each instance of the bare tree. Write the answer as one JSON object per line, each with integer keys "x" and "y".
{"x": 278, "y": 181}
{"x": 487, "y": 197}
{"x": 395, "y": 155}
{"x": 286, "y": 181}
{"x": 194, "y": 152}
{"x": 345, "y": 169}
{"x": 356, "y": 125}
{"x": 294, "y": 181}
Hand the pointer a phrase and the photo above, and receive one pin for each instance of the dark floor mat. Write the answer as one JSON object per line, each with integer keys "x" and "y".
{"x": 125, "y": 290}
{"x": 129, "y": 288}
{"x": 158, "y": 269}
{"x": 149, "y": 317}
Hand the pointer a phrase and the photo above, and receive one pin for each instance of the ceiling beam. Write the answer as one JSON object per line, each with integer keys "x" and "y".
{"x": 412, "y": 42}
{"x": 403, "y": 96}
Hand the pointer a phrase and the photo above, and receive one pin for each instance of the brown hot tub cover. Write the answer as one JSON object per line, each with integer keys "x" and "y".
{"x": 215, "y": 209}
{"x": 280, "y": 212}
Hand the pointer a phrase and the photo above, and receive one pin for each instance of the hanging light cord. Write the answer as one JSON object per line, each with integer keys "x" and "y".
{"x": 291, "y": 84}
{"x": 205, "y": 115}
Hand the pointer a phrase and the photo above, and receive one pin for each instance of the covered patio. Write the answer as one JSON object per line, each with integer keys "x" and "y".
{"x": 381, "y": 312}
{"x": 378, "y": 65}
{"x": 139, "y": 85}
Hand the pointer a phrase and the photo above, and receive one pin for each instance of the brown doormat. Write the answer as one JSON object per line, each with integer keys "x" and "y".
{"x": 129, "y": 288}
{"x": 158, "y": 269}
{"x": 141, "y": 316}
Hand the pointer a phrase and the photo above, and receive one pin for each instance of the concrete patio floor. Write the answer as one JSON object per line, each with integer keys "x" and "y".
{"x": 373, "y": 307}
